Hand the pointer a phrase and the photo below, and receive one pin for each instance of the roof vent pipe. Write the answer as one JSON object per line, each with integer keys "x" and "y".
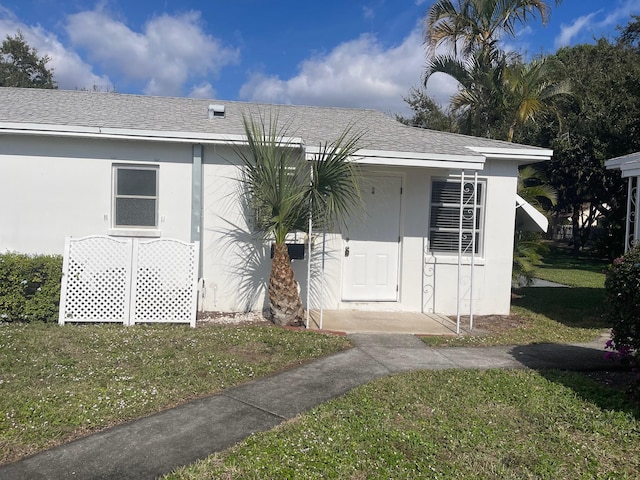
{"x": 216, "y": 111}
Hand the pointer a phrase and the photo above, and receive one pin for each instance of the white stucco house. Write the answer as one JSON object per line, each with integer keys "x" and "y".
{"x": 78, "y": 163}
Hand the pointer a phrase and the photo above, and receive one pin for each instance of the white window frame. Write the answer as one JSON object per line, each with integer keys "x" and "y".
{"x": 480, "y": 218}
{"x": 134, "y": 230}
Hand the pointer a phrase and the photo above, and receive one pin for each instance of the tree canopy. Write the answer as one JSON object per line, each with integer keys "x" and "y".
{"x": 498, "y": 92}
{"x": 600, "y": 121}
{"x": 20, "y": 65}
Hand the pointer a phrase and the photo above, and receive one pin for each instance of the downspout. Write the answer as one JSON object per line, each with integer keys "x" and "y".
{"x": 196, "y": 208}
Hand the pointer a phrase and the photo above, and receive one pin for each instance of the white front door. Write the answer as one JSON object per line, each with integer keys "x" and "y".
{"x": 372, "y": 243}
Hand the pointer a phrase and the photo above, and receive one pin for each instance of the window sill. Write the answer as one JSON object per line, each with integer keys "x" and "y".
{"x": 134, "y": 232}
{"x": 448, "y": 259}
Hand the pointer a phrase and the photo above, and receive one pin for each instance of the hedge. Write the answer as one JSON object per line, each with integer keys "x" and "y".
{"x": 29, "y": 287}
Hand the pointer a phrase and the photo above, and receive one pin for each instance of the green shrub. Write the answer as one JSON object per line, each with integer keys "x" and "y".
{"x": 29, "y": 287}
{"x": 622, "y": 303}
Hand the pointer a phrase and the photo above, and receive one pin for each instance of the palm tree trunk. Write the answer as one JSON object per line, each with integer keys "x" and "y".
{"x": 285, "y": 303}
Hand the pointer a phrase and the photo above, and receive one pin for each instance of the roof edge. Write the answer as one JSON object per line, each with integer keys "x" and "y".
{"x": 131, "y": 134}
{"x": 526, "y": 155}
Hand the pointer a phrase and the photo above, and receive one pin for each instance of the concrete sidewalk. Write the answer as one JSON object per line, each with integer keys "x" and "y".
{"x": 154, "y": 445}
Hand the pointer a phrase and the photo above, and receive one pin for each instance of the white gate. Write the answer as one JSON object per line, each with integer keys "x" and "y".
{"x": 128, "y": 280}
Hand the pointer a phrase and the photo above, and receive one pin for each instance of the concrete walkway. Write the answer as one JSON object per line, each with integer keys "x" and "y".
{"x": 154, "y": 445}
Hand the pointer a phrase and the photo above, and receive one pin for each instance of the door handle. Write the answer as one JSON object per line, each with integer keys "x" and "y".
{"x": 346, "y": 251}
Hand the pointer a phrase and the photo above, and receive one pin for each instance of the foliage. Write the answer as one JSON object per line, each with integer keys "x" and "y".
{"x": 527, "y": 254}
{"x": 630, "y": 35}
{"x": 287, "y": 192}
{"x": 528, "y": 247}
{"x": 447, "y": 424}
{"x": 622, "y": 300}
{"x": 478, "y": 104}
{"x": 497, "y": 92}
{"x": 426, "y": 112}
{"x": 20, "y": 65}
{"x": 29, "y": 287}
{"x": 599, "y": 122}
{"x": 533, "y": 89}
{"x": 59, "y": 383}
{"x": 471, "y": 25}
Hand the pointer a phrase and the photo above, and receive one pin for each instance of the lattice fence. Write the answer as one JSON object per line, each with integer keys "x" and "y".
{"x": 128, "y": 280}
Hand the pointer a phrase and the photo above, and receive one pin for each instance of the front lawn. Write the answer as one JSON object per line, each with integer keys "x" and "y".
{"x": 546, "y": 314}
{"x": 58, "y": 383}
{"x": 448, "y": 424}
{"x": 562, "y": 266}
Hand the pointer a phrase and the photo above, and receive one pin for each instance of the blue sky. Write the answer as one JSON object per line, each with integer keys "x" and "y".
{"x": 351, "y": 53}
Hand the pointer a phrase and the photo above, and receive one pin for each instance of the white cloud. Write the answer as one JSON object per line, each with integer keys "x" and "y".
{"x": 165, "y": 56}
{"x": 596, "y": 26}
{"x": 569, "y": 32}
{"x": 622, "y": 12}
{"x": 203, "y": 90}
{"x": 69, "y": 70}
{"x": 368, "y": 13}
{"x": 358, "y": 73}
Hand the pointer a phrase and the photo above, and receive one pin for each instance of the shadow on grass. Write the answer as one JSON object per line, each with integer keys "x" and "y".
{"x": 574, "y": 307}
{"x": 562, "y": 364}
{"x": 563, "y": 258}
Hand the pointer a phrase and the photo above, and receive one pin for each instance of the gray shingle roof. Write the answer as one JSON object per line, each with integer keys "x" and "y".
{"x": 312, "y": 124}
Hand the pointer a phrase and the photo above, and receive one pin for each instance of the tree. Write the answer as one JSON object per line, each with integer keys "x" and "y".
{"x": 20, "y": 65}
{"x": 426, "y": 112}
{"x": 630, "y": 35}
{"x": 600, "y": 121}
{"x": 528, "y": 248}
{"x": 533, "y": 89}
{"x": 286, "y": 192}
{"x": 478, "y": 105}
{"x": 471, "y": 25}
{"x": 470, "y": 30}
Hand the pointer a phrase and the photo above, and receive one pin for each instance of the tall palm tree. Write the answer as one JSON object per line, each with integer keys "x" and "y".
{"x": 479, "y": 102}
{"x": 286, "y": 192}
{"x": 470, "y": 30}
{"x": 468, "y": 25}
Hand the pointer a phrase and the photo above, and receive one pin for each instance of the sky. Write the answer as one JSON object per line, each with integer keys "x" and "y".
{"x": 342, "y": 53}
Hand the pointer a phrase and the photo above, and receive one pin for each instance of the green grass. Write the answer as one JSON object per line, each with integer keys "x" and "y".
{"x": 548, "y": 314}
{"x": 562, "y": 266}
{"x": 57, "y": 383}
{"x": 448, "y": 424}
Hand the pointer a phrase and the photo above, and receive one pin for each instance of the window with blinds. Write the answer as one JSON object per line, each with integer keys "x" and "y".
{"x": 444, "y": 225}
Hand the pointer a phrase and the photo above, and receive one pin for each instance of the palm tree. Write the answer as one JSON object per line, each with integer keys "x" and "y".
{"x": 286, "y": 192}
{"x": 471, "y": 30}
{"x": 470, "y": 25}
{"x": 533, "y": 89}
{"x": 528, "y": 248}
{"x": 479, "y": 102}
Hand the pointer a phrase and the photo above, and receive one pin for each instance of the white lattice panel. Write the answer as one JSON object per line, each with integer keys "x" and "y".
{"x": 165, "y": 282}
{"x": 95, "y": 283}
{"x": 127, "y": 280}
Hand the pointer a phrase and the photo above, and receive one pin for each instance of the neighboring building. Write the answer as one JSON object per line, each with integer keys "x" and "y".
{"x": 629, "y": 166}
{"x": 83, "y": 163}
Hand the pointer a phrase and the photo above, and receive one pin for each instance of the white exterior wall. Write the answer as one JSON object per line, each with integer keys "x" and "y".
{"x": 492, "y": 272}
{"x": 236, "y": 263}
{"x": 54, "y": 187}
{"x": 428, "y": 283}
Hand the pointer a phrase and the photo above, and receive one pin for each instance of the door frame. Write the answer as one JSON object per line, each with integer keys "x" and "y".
{"x": 367, "y": 173}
